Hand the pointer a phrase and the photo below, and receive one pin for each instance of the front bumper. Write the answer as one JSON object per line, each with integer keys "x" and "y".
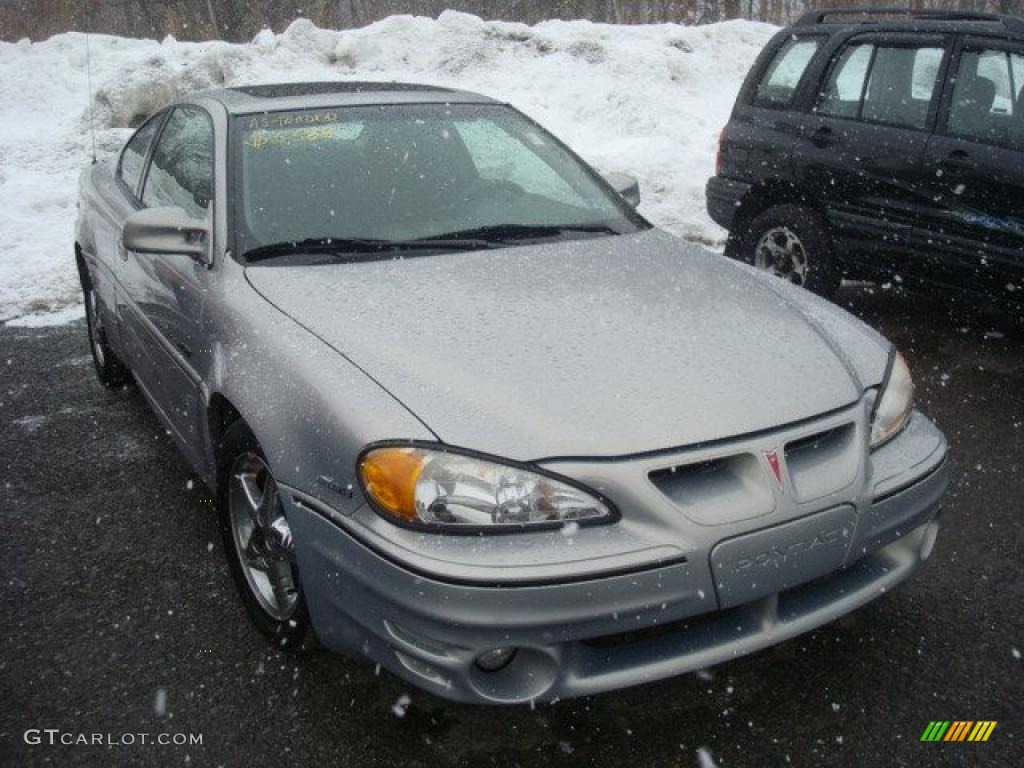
{"x": 586, "y": 635}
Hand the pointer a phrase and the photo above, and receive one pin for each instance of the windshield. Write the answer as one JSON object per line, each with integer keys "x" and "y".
{"x": 412, "y": 172}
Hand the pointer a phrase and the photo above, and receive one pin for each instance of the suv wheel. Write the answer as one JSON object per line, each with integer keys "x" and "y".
{"x": 791, "y": 242}
{"x": 258, "y": 541}
{"x": 110, "y": 371}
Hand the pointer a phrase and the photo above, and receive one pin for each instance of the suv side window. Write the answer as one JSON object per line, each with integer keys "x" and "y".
{"x": 181, "y": 171}
{"x": 883, "y": 84}
{"x": 901, "y": 86}
{"x": 129, "y": 167}
{"x": 780, "y": 80}
{"x": 988, "y": 98}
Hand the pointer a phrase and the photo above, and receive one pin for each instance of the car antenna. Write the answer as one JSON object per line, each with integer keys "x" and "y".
{"x": 88, "y": 75}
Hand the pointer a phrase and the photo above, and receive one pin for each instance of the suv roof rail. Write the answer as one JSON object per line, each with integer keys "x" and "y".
{"x": 1013, "y": 23}
{"x": 820, "y": 16}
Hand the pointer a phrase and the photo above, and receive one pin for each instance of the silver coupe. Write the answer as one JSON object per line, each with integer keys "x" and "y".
{"x": 466, "y": 413}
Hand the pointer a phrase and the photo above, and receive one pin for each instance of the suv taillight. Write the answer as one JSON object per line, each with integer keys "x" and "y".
{"x": 720, "y": 154}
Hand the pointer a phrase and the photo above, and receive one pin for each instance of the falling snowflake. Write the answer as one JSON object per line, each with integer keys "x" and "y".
{"x": 704, "y": 758}
{"x": 160, "y": 702}
{"x": 400, "y": 706}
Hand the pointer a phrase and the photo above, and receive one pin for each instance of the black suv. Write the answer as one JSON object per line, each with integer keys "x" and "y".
{"x": 885, "y": 144}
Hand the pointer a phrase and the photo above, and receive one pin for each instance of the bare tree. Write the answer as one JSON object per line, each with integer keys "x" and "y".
{"x": 240, "y": 20}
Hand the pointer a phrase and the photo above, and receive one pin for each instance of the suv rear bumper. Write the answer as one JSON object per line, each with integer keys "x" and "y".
{"x": 723, "y": 199}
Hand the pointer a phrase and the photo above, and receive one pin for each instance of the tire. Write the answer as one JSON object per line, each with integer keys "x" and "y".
{"x": 265, "y": 573}
{"x": 792, "y": 242}
{"x": 110, "y": 371}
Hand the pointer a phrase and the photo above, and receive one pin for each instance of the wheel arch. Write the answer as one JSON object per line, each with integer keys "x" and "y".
{"x": 221, "y": 414}
{"x": 768, "y": 193}
{"x": 83, "y": 269}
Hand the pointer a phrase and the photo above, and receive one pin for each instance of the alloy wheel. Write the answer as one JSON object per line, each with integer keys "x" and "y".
{"x": 782, "y": 253}
{"x": 262, "y": 537}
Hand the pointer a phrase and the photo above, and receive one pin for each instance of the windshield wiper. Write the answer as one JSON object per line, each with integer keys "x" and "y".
{"x": 501, "y": 233}
{"x": 360, "y": 245}
{"x": 479, "y": 238}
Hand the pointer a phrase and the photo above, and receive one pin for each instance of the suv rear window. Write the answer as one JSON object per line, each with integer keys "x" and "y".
{"x": 783, "y": 75}
{"x": 883, "y": 84}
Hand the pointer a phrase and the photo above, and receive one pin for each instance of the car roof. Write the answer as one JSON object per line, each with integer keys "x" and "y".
{"x": 834, "y": 20}
{"x": 273, "y": 97}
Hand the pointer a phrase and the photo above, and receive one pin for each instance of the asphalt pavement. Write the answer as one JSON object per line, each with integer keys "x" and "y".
{"x": 120, "y": 619}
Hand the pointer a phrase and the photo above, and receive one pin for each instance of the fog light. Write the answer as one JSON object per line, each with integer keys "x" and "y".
{"x": 930, "y": 534}
{"x": 499, "y": 658}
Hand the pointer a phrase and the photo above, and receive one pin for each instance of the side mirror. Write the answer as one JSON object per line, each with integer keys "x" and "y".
{"x": 166, "y": 230}
{"x": 627, "y": 186}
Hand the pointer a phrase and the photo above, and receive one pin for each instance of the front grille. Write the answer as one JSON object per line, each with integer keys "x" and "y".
{"x": 692, "y": 625}
{"x": 824, "y": 462}
{"x": 738, "y": 485}
{"x": 727, "y": 489}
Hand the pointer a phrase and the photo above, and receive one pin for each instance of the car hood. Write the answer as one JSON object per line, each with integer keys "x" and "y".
{"x": 600, "y": 347}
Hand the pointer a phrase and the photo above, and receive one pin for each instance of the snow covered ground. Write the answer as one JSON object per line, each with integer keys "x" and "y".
{"x": 644, "y": 100}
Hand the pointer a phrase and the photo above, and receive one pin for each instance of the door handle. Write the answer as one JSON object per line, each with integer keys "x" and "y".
{"x": 824, "y": 137}
{"x": 958, "y": 159}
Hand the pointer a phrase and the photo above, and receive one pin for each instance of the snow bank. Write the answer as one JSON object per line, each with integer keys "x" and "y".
{"x": 647, "y": 100}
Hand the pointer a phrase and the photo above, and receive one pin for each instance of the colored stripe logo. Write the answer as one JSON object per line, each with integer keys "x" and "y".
{"x": 958, "y": 730}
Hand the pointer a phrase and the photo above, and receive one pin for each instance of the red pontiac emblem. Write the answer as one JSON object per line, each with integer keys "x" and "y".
{"x": 773, "y": 461}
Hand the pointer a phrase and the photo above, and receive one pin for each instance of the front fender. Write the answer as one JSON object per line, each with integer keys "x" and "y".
{"x": 310, "y": 408}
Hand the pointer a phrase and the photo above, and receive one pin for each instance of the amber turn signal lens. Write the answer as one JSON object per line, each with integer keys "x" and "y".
{"x": 390, "y": 475}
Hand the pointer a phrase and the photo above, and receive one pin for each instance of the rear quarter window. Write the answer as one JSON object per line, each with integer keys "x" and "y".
{"x": 782, "y": 77}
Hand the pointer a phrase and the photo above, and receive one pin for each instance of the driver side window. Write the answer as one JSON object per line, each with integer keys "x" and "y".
{"x": 181, "y": 171}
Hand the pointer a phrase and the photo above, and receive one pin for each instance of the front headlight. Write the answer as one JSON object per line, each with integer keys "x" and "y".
{"x": 438, "y": 488}
{"x": 894, "y": 404}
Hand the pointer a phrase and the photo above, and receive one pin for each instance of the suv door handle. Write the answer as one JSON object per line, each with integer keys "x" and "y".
{"x": 824, "y": 137}
{"x": 959, "y": 159}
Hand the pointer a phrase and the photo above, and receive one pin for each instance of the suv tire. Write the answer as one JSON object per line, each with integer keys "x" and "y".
{"x": 792, "y": 242}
